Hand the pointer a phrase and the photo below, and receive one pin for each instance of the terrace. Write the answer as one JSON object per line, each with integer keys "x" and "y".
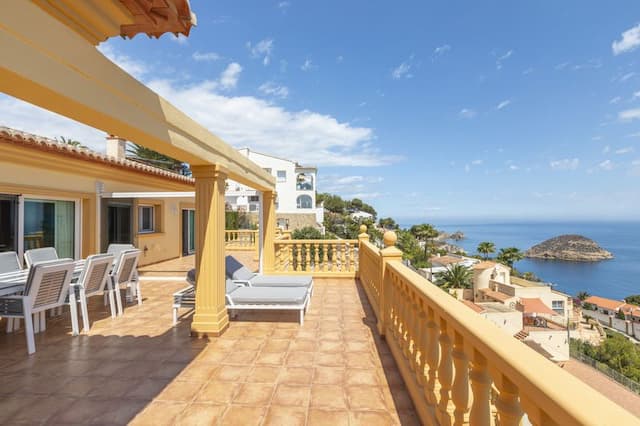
{"x": 380, "y": 343}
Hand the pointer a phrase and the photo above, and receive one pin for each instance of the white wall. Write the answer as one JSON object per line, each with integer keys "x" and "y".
{"x": 510, "y": 322}
{"x": 553, "y": 341}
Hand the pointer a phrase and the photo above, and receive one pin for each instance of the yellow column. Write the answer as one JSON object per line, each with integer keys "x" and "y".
{"x": 268, "y": 231}
{"x": 210, "y": 318}
{"x": 389, "y": 253}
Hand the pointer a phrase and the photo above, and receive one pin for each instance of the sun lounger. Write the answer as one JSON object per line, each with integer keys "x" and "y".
{"x": 241, "y": 297}
{"x": 241, "y": 274}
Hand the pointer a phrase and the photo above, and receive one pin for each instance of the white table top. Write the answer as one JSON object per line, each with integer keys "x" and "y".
{"x": 14, "y": 282}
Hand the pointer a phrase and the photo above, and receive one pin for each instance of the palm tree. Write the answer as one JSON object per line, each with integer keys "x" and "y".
{"x": 71, "y": 142}
{"x": 424, "y": 232}
{"x": 510, "y": 255}
{"x": 583, "y": 295}
{"x": 486, "y": 248}
{"x": 455, "y": 276}
{"x": 156, "y": 159}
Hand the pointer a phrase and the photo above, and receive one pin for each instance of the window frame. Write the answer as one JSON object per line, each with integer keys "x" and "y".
{"x": 279, "y": 178}
{"x": 141, "y": 209}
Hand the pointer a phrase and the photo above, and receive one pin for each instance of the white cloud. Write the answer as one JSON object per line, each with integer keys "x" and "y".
{"x": 307, "y": 65}
{"x": 627, "y": 76}
{"x": 615, "y": 100}
{"x": 503, "y": 58}
{"x": 353, "y": 186}
{"x": 513, "y": 167}
{"x": 606, "y": 165}
{"x": 306, "y": 136}
{"x": 625, "y": 150}
{"x": 503, "y": 104}
{"x": 339, "y": 59}
{"x": 206, "y": 56}
{"x": 134, "y": 67}
{"x": 636, "y": 95}
{"x": 229, "y": 77}
{"x": 477, "y": 162}
{"x": 273, "y": 89}
{"x": 629, "y": 114}
{"x": 606, "y": 149}
{"x": 634, "y": 135}
{"x": 590, "y": 64}
{"x": 402, "y": 71}
{"x": 180, "y": 39}
{"x": 630, "y": 40}
{"x": 467, "y": 113}
{"x": 527, "y": 71}
{"x": 263, "y": 49}
{"x": 364, "y": 195}
{"x": 562, "y": 66}
{"x": 565, "y": 164}
{"x": 467, "y": 168}
{"x": 284, "y": 5}
{"x": 441, "y": 50}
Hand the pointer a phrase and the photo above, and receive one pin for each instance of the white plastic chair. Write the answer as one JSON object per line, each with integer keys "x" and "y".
{"x": 93, "y": 281}
{"x": 44, "y": 254}
{"x": 9, "y": 262}
{"x": 47, "y": 287}
{"x": 116, "y": 250}
{"x": 123, "y": 274}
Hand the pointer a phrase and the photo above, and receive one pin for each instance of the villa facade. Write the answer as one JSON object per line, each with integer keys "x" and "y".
{"x": 295, "y": 188}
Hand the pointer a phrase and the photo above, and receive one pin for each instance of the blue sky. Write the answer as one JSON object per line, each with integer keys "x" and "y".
{"x": 442, "y": 111}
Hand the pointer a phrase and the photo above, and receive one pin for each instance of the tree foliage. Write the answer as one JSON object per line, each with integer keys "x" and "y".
{"x": 633, "y": 299}
{"x": 425, "y": 233}
{"x": 583, "y": 295}
{"x": 509, "y": 256}
{"x": 486, "y": 248}
{"x": 71, "y": 142}
{"x": 156, "y": 159}
{"x": 307, "y": 233}
{"x": 455, "y": 276}
{"x": 388, "y": 223}
{"x": 616, "y": 351}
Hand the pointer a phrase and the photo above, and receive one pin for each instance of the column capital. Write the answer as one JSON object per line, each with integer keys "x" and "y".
{"x": 267, "y": 195}
{"x": 209, "y": 171}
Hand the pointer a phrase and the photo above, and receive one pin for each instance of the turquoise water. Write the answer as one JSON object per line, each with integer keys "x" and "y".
{"x": 615, "y": 278}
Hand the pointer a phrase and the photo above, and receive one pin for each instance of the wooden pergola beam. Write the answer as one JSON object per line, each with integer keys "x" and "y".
{"x": 50, "y": 65}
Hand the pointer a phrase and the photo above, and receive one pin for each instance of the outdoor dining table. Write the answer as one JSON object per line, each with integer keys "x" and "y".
{"x": 14, "y": 282}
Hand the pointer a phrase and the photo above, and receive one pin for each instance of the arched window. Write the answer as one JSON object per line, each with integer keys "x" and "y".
{"x": 304, "y": 202}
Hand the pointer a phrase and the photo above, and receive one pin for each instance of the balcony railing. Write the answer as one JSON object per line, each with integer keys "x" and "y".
{"x": 320, "y": 258}
{"x": 460, "y": 368}
{"x": 241, "y": 239}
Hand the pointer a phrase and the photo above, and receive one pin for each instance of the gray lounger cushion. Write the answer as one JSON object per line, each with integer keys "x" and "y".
{"x": 281, "y": 281}
{"x": 268, "y": 296}
{"x": 237, "y": 270}
{"x": 191, "y": 276}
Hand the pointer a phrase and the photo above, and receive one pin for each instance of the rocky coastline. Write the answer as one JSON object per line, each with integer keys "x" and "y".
{"x": 573, "y": 248}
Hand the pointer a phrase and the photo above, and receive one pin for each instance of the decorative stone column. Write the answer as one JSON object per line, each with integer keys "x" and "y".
{"x": 268, "y": 231}
{"x": 210, "y": 318}
{"x": 389, "y": 253}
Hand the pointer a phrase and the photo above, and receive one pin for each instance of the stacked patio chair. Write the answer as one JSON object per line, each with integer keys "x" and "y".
{"x": 40, "y": 255}
{"x": 123, "y": 275}
{"x": 9, "y": 262}
{"x": 47, "y": 287}
{"x": 94, "y": 280}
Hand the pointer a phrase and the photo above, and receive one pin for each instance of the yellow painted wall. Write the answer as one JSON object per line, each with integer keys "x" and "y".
{"x": 66, "y": 177}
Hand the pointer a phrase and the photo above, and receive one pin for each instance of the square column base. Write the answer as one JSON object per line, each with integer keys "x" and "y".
{"x": 209, "y": 324}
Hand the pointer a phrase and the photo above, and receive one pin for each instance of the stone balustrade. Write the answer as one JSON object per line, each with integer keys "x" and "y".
{"x": 320, "y": 258}
{"x": 241, "y": 239}
{"x": 461, "y": 369}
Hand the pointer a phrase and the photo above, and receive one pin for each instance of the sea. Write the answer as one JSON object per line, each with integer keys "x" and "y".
{"x": 615, "y": 278}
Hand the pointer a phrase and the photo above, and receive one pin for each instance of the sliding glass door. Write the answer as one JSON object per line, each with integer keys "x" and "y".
{"x": 8, "y": 223}
{"x": 50, "y": 223}
{"x": 188, "y": 232}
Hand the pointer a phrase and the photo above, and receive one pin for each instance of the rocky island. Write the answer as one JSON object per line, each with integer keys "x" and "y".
{"x": 575, "y": 248}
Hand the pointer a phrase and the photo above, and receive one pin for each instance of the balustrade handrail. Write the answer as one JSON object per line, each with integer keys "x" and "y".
{"x": 560, "y": 397}
{"x": 316, "y": 242}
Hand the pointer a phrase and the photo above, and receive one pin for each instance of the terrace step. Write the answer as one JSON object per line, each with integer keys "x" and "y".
{"x": 521, "y": 335}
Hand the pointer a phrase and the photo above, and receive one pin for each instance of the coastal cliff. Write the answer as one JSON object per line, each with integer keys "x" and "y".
{"x": 574, "y": 248}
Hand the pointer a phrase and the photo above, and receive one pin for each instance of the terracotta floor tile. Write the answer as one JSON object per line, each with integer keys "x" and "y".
{"x": 159, "y": 413}
{"x": 285, "y": 416}
{"x": 276, "y": 345}
{"x": 330, "y": 359}
{"x": 197, "y": 372}
{"x": 300, "y": 359}
{"x": 231, "y": 373}
{"x": 331, "y": 346}
{"x": 324, "y": 375}
{"x": 201, "y": 414}
{"x": 241, "y": 358}
{"x": 361, "y": 376}
{"x": 256, "y": 394}
{"x": 318, "y": 417}
{"x": 179, "y": 391}
{"x": 327, "y": 396}
{"x": 270, "y": 358}
{"x": 264, "y": 374}
{"x": 296, "y": 375}
{"x": 218, "y": 392}
{"x": 365, "y": 398}
{"x": 304, "y": 345}
{"x": 371, "y": 418}
{"x": 146, "y": 389}
{"x": 292, "y": 395}
{"x": 243, "y": 416}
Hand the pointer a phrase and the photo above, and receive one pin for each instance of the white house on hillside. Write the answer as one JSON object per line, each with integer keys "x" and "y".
{"x": 295, "y": 188}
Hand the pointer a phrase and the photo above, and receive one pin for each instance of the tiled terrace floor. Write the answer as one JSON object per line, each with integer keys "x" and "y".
{"x": 265, "y": 369}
